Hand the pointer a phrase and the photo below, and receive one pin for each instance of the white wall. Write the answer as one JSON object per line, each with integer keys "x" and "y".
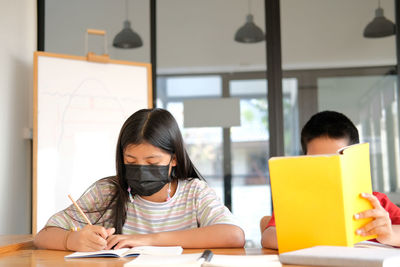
{"x": 18, "y": 31}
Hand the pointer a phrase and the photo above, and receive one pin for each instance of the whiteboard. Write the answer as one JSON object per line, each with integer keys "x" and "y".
{"x": 79, "y": 109}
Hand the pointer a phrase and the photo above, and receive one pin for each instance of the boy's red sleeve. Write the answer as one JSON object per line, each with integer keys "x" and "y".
{"x": 271, "y": 221}
{"x": 389, "y": 206}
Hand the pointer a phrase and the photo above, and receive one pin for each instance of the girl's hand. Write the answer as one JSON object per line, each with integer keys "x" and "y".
{"x": 90, "y": 238}
{"x": 380, "y": 226}
{"x": 128, "y": 241}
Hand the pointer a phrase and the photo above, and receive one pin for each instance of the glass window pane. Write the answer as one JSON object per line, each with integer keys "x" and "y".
{"x": 194, "y": 86}
{"x": 249, "y": 152}
{"x": 248, "y": 87}
{"x": 250, "y": 149}
{"x": 291, "y": 117}
{"x": 204, "y": 145}
{"x": 208, "y": 46}
{"x": 253, "y": 120}
{"x": 339, "y": 69}
{"x": 371, "y": 103}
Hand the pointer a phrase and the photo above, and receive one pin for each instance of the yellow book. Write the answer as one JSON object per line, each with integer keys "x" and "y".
{"x": 315, "y": 198}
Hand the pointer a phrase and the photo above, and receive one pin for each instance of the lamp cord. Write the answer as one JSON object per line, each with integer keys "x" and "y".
{"x": 126, "y": 9}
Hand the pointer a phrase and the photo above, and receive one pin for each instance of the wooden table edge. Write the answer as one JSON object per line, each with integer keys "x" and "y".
{"x": 21, "y": 242}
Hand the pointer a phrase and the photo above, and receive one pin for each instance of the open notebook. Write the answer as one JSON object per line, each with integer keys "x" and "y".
{"x": 128, "y": 252}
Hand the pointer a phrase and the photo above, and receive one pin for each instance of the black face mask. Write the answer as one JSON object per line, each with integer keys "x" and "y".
{"x": 146, "y": 180}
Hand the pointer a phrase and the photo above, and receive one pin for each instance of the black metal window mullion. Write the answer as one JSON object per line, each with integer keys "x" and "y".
{"x": 227, "y": 153}
{"x": 274, "y": 77}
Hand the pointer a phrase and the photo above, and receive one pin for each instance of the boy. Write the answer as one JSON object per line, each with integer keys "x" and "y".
{"x": 325, "y": 133}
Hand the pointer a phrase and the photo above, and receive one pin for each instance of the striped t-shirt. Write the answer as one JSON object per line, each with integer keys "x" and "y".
{"x": 193, "y": 205}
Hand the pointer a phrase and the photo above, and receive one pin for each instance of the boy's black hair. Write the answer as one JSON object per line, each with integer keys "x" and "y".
{"x": 331, "y": 124}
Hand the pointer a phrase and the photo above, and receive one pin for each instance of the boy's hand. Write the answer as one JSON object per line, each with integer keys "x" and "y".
{"x": 380, "y": 226}
{"x": 90, "y": 238}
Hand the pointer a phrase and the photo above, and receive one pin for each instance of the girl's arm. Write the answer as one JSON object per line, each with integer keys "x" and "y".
{"x": 51, "y": 238}
{"x": 268, "y": 239}
{"x": 90, "y": 238}
{"x": 213, "y": 236}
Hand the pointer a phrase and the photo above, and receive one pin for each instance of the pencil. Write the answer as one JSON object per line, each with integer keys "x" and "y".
{"x": 80, "y": 211}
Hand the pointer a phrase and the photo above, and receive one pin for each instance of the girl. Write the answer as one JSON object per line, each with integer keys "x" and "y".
{"x": 157, "y": 198}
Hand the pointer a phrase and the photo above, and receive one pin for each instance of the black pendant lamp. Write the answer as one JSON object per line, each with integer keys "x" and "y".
{"x": 379, "y": 26}
{"x": 249, "y": 32}
{"x": 127, "y": 38}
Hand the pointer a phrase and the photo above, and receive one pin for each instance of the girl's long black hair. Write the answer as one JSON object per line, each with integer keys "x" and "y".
{"x": 156, "y": 127}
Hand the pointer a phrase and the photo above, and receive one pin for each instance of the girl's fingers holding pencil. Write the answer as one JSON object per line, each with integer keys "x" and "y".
{"x": 97, "y": 243}
{"x": 110, "y": 231}
{"x": 90, "y": 238}
{"x": 100, "y": 230}
{"x": 79, "y": 241}
{"x": 96, "y": 239}
{"x": 91, "y": 246}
